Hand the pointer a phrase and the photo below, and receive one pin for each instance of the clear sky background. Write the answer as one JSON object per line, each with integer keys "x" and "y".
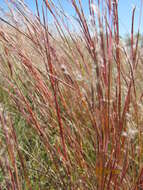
{"x": 125, "y": 12}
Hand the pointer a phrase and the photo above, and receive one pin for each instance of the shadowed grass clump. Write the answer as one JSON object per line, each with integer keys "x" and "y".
{"x": 70, "y": 98}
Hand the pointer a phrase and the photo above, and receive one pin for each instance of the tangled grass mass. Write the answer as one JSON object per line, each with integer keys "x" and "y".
{"x": 71, "y": 98}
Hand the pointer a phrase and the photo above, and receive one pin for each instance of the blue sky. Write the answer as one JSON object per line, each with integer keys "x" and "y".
{"x": 125, "y": 15}
{"x": 125, "y": 12}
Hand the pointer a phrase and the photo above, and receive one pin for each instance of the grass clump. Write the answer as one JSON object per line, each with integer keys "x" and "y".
{"x": 70, "y": 100}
